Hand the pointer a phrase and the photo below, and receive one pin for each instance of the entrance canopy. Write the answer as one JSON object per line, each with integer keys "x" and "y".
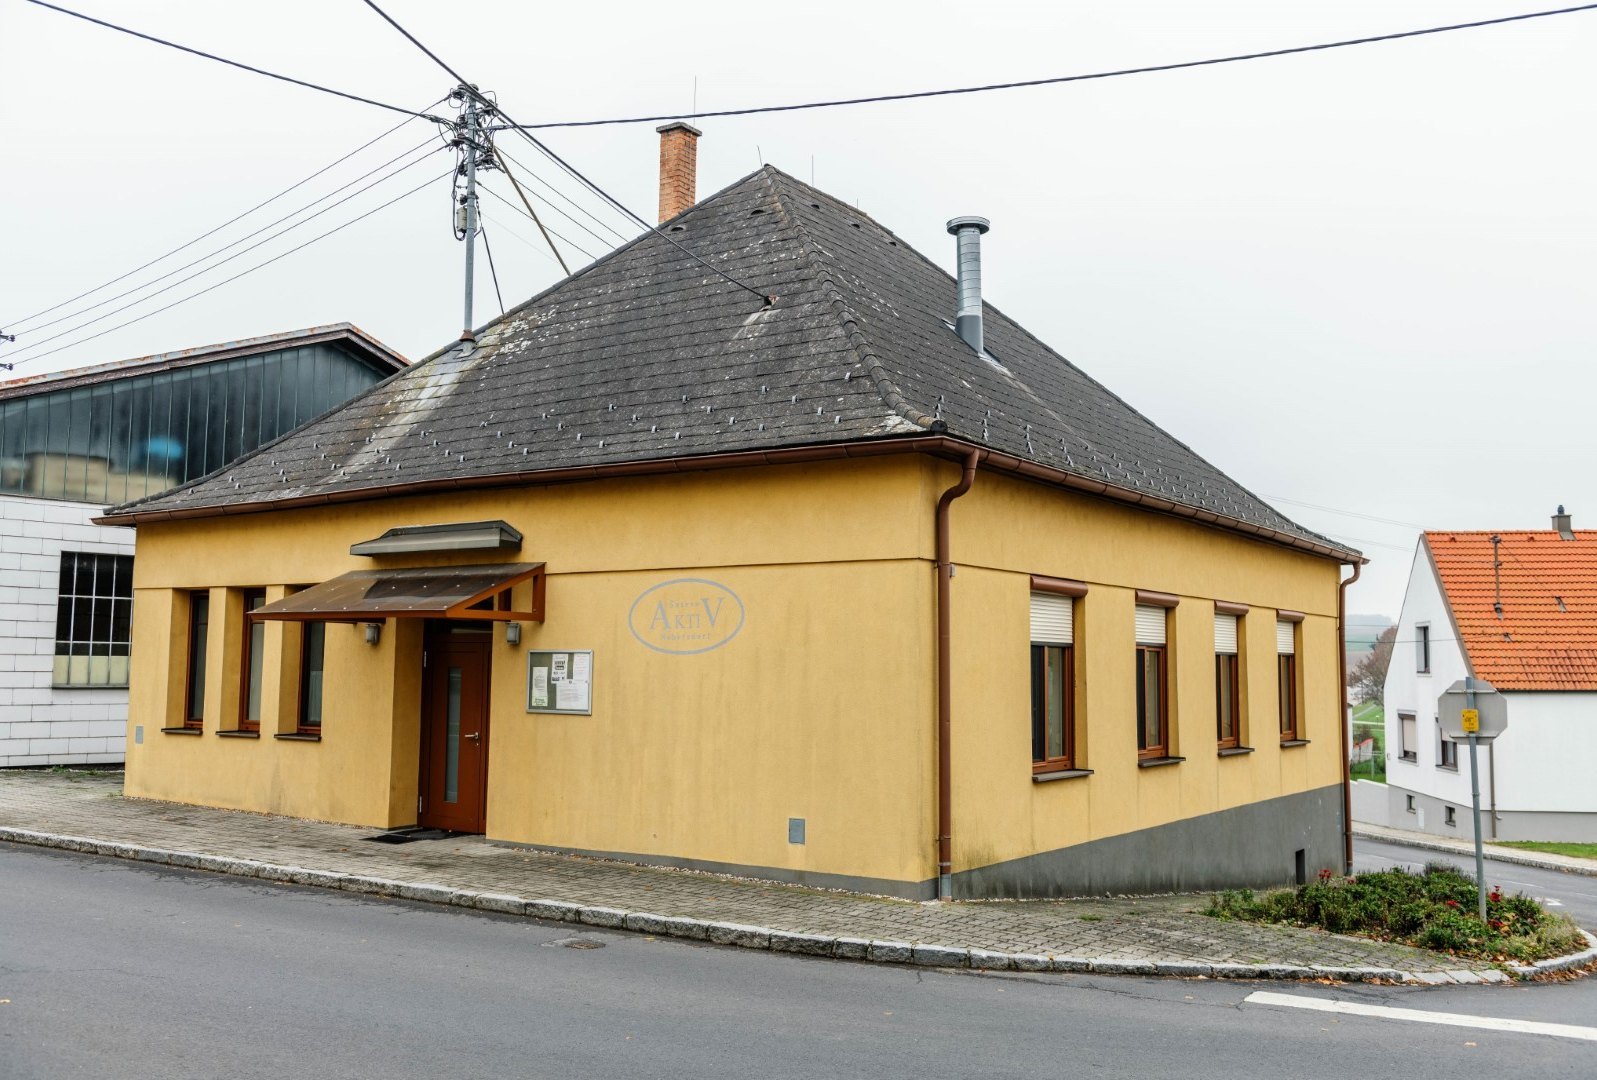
{"x": 431, "y": 592}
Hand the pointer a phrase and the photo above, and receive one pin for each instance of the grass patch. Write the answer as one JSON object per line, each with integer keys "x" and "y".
{"x": 1553, "y": 847}
{"x": 1430, "y": 910}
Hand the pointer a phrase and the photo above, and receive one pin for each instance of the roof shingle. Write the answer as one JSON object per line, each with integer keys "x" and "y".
{"x": 648, "y": 355}
{"x": 1546, "y": 636}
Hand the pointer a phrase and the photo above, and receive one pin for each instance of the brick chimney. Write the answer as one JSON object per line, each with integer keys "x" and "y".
{"x": 679, "y": 166}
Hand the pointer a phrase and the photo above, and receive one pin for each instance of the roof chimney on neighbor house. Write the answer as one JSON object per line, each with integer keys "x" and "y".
{"x": 679, "y": 167}
{"x": 967, "y": 232}
{"x": 1561, "y": 523}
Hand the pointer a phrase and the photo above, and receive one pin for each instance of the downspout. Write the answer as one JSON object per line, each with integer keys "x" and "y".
{"x": 1342, "y": 719}
{"x": 945, "y": 683}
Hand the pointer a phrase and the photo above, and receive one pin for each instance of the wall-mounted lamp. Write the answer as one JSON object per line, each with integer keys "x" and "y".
{"x": 374, "y": 632}
{"x": 512, "y": 633}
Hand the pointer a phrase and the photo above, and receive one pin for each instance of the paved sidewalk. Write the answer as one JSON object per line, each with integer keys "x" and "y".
{"x": 1159, "y": 935}
{"x": 1546, "y": 860}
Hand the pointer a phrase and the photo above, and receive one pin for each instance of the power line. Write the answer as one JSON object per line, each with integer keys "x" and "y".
{"x": 1347, "y": 513}
{"x": 492, "y": 270}
{"x": 559, "y": 258}
{"x": 236, "y": 243}
{"x": 542, "y": 227}
{"x": 211, "y": 232}
{"x": 558, "y": 160}
{"x": 250, "y": 270}
{"x": 234, "y": 63}
{"x": 541, "y": 249}
{"x": 605, "y": 242}
{"x": 205, "y": 270}
{"x": 617, "y": 233}
{"x": 1145, "y": 70}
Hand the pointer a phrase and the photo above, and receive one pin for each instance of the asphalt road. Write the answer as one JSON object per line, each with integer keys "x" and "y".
{"x": 1573, "y": 894}
{"x": 110, "y": 968}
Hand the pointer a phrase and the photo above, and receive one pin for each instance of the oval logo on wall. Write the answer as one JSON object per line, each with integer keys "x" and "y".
{"x": 686, "y": 615}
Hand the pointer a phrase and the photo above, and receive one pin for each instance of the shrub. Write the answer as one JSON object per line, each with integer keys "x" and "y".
{"x": 1434, "y": 909}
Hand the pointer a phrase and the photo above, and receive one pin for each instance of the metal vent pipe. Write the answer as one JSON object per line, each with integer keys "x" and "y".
{"x": 968, "y": 232}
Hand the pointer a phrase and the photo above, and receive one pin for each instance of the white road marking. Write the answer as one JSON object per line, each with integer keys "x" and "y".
{"x": 1386, "y": 1012}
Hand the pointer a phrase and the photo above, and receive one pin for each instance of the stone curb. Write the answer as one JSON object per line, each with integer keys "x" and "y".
{"x": 1559, "y": 963}
{"x": 1496, "y": 854}
{"x": 758, "y": 937}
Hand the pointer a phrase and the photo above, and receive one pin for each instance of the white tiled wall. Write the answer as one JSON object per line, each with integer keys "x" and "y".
{"x": 40, "y": 725}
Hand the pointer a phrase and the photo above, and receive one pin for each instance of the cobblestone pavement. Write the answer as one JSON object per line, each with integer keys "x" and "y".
{"x": 1161, "y": 930}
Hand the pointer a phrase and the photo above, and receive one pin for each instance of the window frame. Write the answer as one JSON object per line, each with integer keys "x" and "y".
{"x": 68, "y": 608}
{"x": 1446, "y": 750}
{"x": 1161, "y": 749}
{"x": 1286, "y": 686}
{"x": 249, "y": 653}
{"x": 1040, "y": 652}
{"x": 302, "y": 724}
{"x": 1228, "y": 663}
{"x": 196, "y": 671}
{"x": 1405, "y": 752}
{"x": 1422, "y": 647}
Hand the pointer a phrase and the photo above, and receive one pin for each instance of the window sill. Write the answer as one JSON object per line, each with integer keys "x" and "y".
{"x": 1293, "y": 742}
{"x": 1448, "y": 768}
{"x": 1155, "y": 762}
{"x": 1235, "y": 751}
{"x": 182, "y": 731}
{"x": 239, "y": 734}
{"x": 1409, "y": 758}
{"x": 298, "y": 736}
{"x": 1062, "y": 774}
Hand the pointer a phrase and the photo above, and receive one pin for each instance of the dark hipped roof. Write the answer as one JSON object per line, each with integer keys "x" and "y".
{"x": 346, "y": 334}
{"x": 647, "y": 356}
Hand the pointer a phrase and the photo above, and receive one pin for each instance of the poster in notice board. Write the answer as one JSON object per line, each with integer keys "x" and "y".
{"x": 560, "y": 681}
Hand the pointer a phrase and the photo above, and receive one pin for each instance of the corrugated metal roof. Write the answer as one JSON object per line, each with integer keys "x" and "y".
{"x": 647, "y": 355}
{"x": 45, "y": 382}
{"x": 1546, "y": 636}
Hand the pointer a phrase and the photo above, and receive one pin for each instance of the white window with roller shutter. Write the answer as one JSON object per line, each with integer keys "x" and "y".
{"x": 1227, "y": 682}
{"x": 1053, "y": 683}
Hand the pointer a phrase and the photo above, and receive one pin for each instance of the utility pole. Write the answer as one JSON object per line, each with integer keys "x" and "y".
{"x": 474, "y": 138}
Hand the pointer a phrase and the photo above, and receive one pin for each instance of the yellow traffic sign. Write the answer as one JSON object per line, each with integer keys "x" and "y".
{"x": 1472, "y": 720}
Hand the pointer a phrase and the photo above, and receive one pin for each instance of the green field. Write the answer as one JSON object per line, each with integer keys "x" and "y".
{"x": 1578, "y": 851}
{"x": 1368, "y": 722}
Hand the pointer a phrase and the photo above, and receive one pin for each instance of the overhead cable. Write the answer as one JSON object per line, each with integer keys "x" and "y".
{"x": 546, "y": 229}
{"x": 205, "y": 270}
{"x": 240, "y": 240}
{"x": 620, "y": 237}
{"x": 234, "y": 63}
{"x": 558, "y": 160}
{"x": 1148, "y": 69}
{"x": 559, "y": 258}
{"x": 242, "y": 273}
{"x": 17, "y": 323}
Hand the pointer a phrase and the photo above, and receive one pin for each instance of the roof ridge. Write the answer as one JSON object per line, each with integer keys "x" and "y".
{"x": 825, "y": 272}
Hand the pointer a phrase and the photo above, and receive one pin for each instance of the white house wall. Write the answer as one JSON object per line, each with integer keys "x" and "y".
{"x": 1547, "y": 767}
{"x": 1407, "y": 690}
{"x": 39, "y": 724}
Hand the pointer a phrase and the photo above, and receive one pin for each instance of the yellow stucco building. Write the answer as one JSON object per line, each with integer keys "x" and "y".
{"x": 806, "y": 572}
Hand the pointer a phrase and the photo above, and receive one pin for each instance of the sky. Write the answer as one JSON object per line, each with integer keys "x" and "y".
{"x": 1359, "y": 281}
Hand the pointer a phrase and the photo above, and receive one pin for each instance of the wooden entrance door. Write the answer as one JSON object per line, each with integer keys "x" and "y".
{"x": 454, "y": 731}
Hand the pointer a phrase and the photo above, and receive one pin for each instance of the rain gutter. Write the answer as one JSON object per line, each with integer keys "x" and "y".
{"x": 946, "y": 446}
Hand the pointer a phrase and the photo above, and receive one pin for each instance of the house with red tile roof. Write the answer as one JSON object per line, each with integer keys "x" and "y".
{"x": 1517, "y": 609}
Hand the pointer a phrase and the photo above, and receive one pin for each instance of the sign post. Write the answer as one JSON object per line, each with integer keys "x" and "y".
{"x": 1470, "y": 718}
{"x": 1475, "y": 710}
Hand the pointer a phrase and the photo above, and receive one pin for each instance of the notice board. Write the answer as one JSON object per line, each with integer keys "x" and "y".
{"x": 560, "y": 681}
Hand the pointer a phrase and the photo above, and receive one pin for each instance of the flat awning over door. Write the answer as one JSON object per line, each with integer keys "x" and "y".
{"x": 430, "y": 592}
